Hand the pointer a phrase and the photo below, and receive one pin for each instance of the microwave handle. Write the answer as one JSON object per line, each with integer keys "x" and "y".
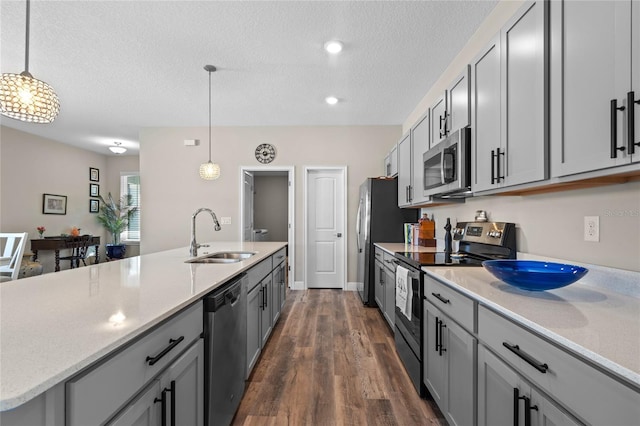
{"x": 442, "y": 167}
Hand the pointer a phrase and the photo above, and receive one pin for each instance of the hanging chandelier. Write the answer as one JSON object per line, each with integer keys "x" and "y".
{"x": 209, "y": 170}
{"x": 25, "y": 98}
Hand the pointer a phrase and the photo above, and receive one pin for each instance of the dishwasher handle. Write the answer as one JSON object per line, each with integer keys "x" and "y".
{"x": 229, "y": 294}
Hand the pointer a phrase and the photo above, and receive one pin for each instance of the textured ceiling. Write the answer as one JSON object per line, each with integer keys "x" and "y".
{"x": 118, "y": 66}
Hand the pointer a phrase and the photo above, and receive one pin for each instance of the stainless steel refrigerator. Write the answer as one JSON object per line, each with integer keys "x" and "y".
{"x": 379, "y": 220}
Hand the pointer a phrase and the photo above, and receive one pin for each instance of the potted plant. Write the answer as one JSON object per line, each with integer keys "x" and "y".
{"x": 115, "y": 216}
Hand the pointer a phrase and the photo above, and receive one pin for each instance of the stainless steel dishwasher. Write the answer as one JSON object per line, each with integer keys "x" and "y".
{"x": 225, "y": 350}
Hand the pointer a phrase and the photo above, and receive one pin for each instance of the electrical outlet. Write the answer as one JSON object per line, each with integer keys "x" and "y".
{"x": 592, "y": 228}
{"x": 225, "y": 221}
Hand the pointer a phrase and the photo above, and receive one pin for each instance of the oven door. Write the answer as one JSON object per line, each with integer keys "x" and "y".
{"x": 411, "y": 327}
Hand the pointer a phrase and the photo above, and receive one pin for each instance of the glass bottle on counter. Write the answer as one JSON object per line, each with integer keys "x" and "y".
{"x": 427, "y": 233}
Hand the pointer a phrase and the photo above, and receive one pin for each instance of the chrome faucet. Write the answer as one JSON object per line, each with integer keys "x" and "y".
{"x": 193, "y": 251}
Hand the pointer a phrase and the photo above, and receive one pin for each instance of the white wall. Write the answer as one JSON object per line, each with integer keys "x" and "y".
{"x": 552, "y": 224}
{"x": 31, "y": 166}
{"x": 172, "y": 189}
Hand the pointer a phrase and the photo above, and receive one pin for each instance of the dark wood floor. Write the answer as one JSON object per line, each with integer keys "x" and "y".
{"x": 331, "y": 361}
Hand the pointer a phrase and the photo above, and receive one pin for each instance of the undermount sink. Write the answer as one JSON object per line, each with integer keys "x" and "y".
{"x": 223, "y": 257}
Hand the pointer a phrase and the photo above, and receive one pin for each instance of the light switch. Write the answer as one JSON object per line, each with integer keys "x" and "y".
{"x": 225, "y": 221}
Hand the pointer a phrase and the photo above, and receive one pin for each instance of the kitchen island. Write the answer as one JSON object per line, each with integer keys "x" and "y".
{"x": 54, "y": 326}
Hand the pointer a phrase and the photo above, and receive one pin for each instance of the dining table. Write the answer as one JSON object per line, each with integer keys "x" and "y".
{"x": 58, "y": 243}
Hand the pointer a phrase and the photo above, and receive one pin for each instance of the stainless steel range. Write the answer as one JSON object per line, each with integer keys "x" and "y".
{"x": 478, "y": 241}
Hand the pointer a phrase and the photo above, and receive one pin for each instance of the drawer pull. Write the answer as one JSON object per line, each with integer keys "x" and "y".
{"x": 440, "y": 298}
{"x": 528, "y": 358}
{"x": 172, "y": 344}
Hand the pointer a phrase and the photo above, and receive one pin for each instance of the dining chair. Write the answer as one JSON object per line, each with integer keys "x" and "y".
{"x": 12, "y": 245}
{"x": 80, "y": 249}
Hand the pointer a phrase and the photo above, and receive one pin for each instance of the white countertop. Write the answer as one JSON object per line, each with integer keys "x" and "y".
{"x": 54, "y": 325}
{"x": 589, "y": 319}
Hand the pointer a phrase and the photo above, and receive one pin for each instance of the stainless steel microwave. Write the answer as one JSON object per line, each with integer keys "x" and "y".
{"x": 447, "y": 166}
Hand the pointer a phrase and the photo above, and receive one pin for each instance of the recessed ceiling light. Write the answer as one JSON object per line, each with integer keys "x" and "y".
{"x": 334, "y": 47}
{"x": 331, "y": 100}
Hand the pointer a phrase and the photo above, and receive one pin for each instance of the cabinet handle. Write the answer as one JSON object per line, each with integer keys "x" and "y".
{"x": 493, "y": 169}
{"x": 163, "y": 404}
{"x": 614, "y": 128}
{"x": 442, "y": 349}
{"x": 440, "y": 298}
{"x": 498, "y": 175}
{"x": 437, "y": 334}
{"x": 528, "y": 358}
{"x": 172, "y": 389}
{"x": 266, "y": 297}
{"x": 516, "y": 406}
{"x": 172, "y": 344}
{"x": 631, "y": 131}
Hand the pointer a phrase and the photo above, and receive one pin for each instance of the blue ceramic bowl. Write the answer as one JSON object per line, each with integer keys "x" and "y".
{"x": 534, "y": 275}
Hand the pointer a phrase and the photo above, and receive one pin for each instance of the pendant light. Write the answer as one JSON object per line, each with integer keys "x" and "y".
{"x": 209, "y": 170}
{"x": 25, "y": 98}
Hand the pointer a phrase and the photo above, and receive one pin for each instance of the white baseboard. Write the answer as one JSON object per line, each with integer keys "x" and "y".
{"x": 351, "y": 286}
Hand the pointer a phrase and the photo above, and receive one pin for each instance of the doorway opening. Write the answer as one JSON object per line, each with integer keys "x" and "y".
{"x": 267, "y": 208}
{"x": 325, "y": 222}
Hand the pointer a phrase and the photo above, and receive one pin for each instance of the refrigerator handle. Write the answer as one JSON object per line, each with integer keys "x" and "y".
{"x": 358, "y": 222}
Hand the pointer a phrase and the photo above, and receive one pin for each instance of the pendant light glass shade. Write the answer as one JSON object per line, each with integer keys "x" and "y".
{"x": 209, "y": 170}
{"x": 25, "y": 98}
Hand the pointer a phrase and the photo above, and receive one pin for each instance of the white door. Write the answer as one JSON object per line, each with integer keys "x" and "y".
{"x": 325, "y": 260}
{"x": 247, "y": 230}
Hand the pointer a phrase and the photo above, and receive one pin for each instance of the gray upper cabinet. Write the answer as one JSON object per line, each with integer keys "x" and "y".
{"x": 439, "y": 120}
{"x": 590, "y": 71}
{"x": 458, "y": 100}
{"x": 391, "y": 163}
{"x": 419, "y": 145}
{"x": 405, "y": 176}
{"x": 509, "y": 124}
{"x": 485, "y": 114}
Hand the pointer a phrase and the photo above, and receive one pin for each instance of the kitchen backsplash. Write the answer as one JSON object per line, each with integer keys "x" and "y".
{"x": 553, "y": 224}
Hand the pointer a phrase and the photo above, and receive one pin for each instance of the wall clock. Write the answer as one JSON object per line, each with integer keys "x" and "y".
{"x": 265, "y": 153}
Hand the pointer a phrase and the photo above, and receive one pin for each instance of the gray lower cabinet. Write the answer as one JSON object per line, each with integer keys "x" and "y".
{"x": 509, "y": 103}
{"x": 266, "y": 318}
{"x": 181, "y": 386}
{"x": 505, "y": 398}
{"x": 379, "y": 277}
{"x": 590, "y": 70}
{"x": 449, "y": 354}
{"x": 265, "y": 299}
{"x": 389, "y": 292}
{"x": 172, "y": 352}
{"x": 254, "y": 335}
{"x": 385, "y": 285}
{"x": 144, "y": 411}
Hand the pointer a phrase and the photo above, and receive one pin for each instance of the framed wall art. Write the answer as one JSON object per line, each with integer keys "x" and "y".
{"x": 54, "y": 204}
{"x": 94, "y": 190}
{"x": 94, "y": 206}
{"x": 94, "y": 174}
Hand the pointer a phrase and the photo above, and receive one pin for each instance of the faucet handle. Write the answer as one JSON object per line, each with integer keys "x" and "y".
{"x": 203, "y": 245}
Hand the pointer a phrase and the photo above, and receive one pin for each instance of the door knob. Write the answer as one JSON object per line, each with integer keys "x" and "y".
{"x": 339, "y": 234}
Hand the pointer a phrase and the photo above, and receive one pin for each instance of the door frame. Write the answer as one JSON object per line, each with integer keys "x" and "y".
{"x": 291, "y": 210}
{"x": 307, "y": 170}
